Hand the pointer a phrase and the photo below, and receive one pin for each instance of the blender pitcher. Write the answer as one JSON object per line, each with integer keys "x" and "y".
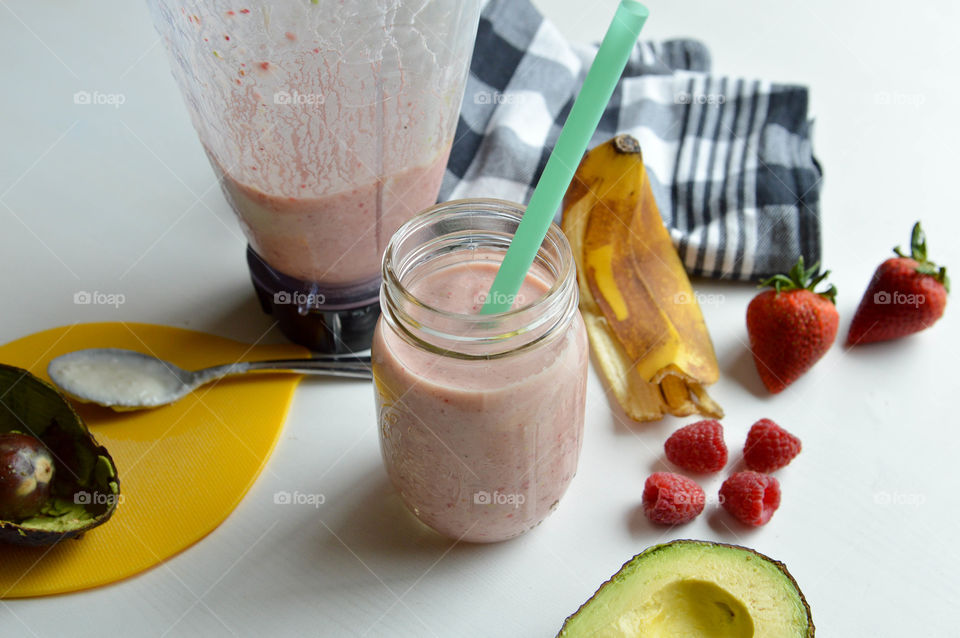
{"x": 329, "y": 124}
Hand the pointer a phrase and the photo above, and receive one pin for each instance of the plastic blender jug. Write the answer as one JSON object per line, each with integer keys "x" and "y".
{"x": 329, "y": 124}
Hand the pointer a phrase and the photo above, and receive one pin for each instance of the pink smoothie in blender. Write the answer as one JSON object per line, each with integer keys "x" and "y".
{"x": 329, "y": 124}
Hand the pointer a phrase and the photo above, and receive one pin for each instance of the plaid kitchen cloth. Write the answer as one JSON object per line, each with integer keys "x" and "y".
{"x": 730, "y": 160}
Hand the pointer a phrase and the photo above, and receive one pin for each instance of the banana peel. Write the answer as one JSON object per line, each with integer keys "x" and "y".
{"x": 645, "y": 325}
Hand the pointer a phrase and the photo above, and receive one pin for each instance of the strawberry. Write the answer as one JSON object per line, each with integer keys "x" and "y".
{"x": 792, "y": 326}
{"x": 906, "y": 295}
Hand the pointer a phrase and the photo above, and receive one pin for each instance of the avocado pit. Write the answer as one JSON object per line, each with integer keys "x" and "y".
{"x": 26, "y": 471}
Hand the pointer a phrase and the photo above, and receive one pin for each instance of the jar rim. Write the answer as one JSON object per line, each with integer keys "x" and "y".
{"x": 495, "y": 328}
{"x": 477, "y": 204}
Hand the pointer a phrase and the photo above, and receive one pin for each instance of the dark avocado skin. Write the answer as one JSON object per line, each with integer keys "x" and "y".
{"x": 650, "y": 551}
{"x": 10, "y": 533}
{"x": 33, "y": 406}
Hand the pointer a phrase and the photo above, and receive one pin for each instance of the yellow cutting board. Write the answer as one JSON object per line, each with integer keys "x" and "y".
{"x": 183, "y": 467}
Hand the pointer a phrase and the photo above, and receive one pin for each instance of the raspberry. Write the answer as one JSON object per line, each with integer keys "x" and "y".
{"x": 769, "y": 447}
{"x": 698, "y": 447}
{"x": 670, "y": 499}
{"x": 751, "y": 497}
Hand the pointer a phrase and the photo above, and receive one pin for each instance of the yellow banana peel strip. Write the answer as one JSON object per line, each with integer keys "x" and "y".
{"x": 645, "y": 325}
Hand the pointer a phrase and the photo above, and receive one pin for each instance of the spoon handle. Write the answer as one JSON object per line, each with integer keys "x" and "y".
{"x": 351, "y": 366}
{"x": 355, "y": 367}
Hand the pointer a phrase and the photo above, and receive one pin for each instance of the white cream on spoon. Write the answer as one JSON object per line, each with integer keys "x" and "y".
{"x": 117, "y": 377}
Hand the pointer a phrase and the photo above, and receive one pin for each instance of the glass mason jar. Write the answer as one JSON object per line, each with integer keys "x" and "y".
{"x": 481, "y": 416}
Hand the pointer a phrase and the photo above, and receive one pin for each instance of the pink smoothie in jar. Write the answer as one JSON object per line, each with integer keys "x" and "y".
{"x": 481, "y": 416}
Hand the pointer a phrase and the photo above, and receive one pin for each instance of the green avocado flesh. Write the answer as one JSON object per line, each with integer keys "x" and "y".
{"x": 695, "y": 589}
{"x": 85, "y": 490}
{"x": 58, "y": 516}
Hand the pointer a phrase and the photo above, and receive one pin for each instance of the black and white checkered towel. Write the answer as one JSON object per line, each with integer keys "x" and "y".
{"x": 730, "y": 160}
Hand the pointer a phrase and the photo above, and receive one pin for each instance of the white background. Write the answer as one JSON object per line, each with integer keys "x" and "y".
{"x": 123, "y": 200}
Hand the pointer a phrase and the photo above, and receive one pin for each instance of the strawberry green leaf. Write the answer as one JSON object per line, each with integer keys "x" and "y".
{"x": 802, "y": 278}
{"x": 918, "y": 252}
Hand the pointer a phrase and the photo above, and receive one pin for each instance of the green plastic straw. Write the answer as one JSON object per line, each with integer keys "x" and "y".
{"x": 558, "y": 173}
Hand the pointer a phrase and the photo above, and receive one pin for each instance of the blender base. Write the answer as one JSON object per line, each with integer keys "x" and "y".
{"x": 327, "y": 320}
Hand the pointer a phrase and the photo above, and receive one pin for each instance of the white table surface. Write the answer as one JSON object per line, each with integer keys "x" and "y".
{"x": 122, "y": 200}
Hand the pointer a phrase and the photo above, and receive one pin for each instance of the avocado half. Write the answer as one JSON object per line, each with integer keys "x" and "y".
{"x": 686, "y": 589}
{"x": 85, "y": 489}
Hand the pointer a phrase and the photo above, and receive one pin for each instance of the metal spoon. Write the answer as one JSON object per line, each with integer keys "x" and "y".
{"x": 129, "y": 380}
